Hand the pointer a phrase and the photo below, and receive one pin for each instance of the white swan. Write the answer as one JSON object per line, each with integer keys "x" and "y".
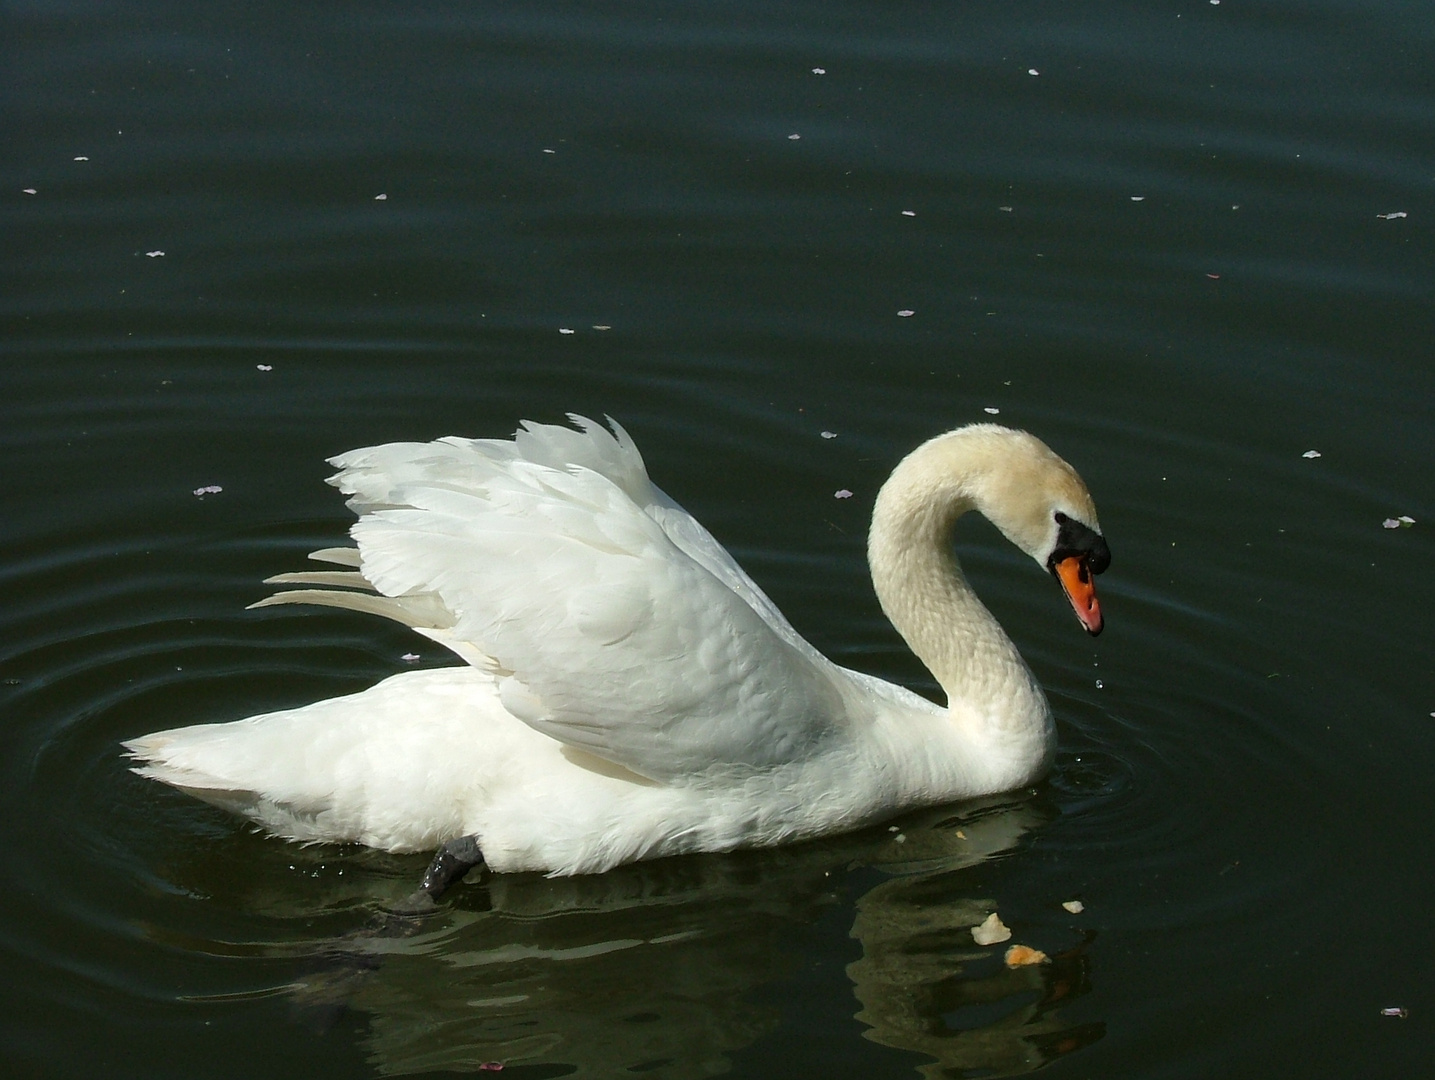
{"x": 629, "y": 692}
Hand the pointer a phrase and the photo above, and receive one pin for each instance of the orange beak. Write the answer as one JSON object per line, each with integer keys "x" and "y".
{"x": 1080, "y": 585}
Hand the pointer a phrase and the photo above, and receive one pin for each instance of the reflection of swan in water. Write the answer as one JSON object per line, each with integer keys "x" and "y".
{"x": 669, "y": 968}
{"x": 916, "y": 996}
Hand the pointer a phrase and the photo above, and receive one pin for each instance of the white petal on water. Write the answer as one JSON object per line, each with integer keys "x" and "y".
{"x": 794, "y": 136}
{"x": 208, "y": 489}
{"x": 1395, "y": 1011}
{"x": 82, "y": 157}
{"x": 909, "y": 213}
{"x": 265, "y": 367}
{"x": 29, "y": 191}
{"x": 1390, "y": 523}
{"x": 410, "y": 658}
{"x": 155, "y": 254}
{"x": 1311, "y": 454}
{"x": 1032, "y": 71}
{"x": 819, "y": 71}
{"x": 842, "y": 494}
{"x": 906, "y": 313}
{"x": 1004, "y": 209}
{"x": 829, "y": 434}
{"x": 992, "y": 931}
{"x": 1405, "y": 519}
{"x": 566, "y": 330}
{"x": 1076, "y": 907}
{"x": 381, "y": 197}
{"x": 1392, "y": 217}
{"x": 1138, "y": 198}
{"x": 991, "y": 410}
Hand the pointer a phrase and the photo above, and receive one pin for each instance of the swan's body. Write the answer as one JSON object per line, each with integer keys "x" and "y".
{"x": 629, "y": 691}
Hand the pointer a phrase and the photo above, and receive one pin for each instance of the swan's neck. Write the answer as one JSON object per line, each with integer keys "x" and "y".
{"x": 923, "y": 591}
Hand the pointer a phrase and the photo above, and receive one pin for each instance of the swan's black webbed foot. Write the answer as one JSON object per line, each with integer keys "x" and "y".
{"x": 323, "y": 993}
{"x": 452, "y": 861}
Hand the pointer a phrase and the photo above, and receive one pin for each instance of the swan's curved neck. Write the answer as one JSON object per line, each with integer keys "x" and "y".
{"x": 924, "y": 593}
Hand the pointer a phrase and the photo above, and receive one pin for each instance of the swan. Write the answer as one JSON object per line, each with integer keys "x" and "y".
{"x": 629, "y": 692}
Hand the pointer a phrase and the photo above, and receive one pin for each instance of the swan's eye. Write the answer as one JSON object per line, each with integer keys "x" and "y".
{"x": 1060, "y": 518}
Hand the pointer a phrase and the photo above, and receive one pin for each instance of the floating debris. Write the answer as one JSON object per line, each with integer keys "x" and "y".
{"x": 1004, "y": 209}
{"x": 1402, "y": 522}
{"x": 1076, "y": 907}
{"x": 1098, "y": 684}
{"x": 1392, "y": 217}
{"x": 829, "y": 434}
{"x": 991, "y": 932}
{"x": 905, "y": 313}
{"x": 1311, "y": 454}
{"x": 991, "y": 410}
{"x": 410, "y": 658}
{"x": 566, "y": 330}
{"x": 842, "y": 494}
{"x": 1025, "y": 956}
{"x": 208, "y": 489}
{"x": 381, "y": 198}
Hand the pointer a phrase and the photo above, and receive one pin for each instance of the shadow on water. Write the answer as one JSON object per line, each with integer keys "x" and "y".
{"x": 669, "y": 968}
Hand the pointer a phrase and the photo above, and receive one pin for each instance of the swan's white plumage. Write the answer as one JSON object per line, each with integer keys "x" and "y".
{"x": 630, "y": 692}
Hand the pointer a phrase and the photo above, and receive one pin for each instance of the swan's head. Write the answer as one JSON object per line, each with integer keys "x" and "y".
{"x": 1042, "y": 506}
{"x": 1019, "y": 484}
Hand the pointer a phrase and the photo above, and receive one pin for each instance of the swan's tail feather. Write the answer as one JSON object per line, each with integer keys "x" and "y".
{"x": 340, "y": 556}
{"x": 421, "y": 612}
{"x": 337, "y": 579}
{"x": 166, "y": 756}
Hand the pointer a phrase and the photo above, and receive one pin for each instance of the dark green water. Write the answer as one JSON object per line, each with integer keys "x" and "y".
{"x": 1168, "y": 252}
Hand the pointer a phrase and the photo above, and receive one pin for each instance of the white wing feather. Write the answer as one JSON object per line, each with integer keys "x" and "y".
{"x": 621, "y": 626}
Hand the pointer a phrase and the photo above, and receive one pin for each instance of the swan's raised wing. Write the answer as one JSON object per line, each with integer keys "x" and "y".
{"x": 619, "y": 624}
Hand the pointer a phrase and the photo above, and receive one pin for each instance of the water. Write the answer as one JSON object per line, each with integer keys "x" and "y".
{"x": 1164, "y": 252}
